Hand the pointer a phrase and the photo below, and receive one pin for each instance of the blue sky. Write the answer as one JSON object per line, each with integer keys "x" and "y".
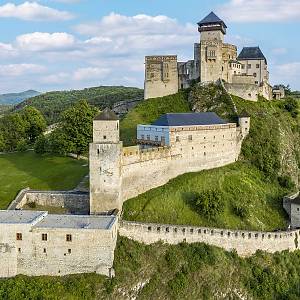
{"x": 69, "y": 44}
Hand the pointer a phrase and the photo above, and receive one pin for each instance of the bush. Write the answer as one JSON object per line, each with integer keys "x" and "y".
{"x": 286, "y": 182}
{"x": 22, "y": 145}
{"x": 291, "y": 105}
{"x": 241, "y": 211}
{"x": 40, "y": 145}
{"x": 210, "y": 203}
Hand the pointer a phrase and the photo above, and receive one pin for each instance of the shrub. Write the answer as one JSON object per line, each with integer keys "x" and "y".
{"x": 31, "y": 204}
{"x": 241, "y": 211}
{"x": 210, "y": 203}
{"x": 286, "y": 182}
{"x": 22, "y": 145}
{"x": 40, "y": 145}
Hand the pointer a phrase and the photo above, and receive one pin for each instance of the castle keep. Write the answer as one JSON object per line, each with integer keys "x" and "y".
{"x": 245, "y": 75}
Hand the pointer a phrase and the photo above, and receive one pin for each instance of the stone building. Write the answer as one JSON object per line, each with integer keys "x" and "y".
{"x": 291, "y": 204}
{"x": 161, "y": 76}
{"x": 245, "y": 75}
{"x": 173, "y": 145}
{"x": 34, "y": 243}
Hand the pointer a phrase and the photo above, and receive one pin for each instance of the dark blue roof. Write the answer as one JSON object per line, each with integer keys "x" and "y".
{"x": 251, "y": 53}
{"x": 188, "y": 119}
{"x": 212, "y": 18}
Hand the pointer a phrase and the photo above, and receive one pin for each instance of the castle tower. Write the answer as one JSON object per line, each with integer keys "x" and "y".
{"x": 244, "y": 123}
{"x": 105, "y": 164}
{"x": 212, "y": 30}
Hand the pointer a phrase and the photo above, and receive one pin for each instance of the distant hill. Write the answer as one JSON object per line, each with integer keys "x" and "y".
{"x": 15, "y": 98}
{"x": 52, "y": 104}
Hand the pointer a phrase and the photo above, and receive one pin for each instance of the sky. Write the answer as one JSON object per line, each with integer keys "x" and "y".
{"x": 72, "y": 44}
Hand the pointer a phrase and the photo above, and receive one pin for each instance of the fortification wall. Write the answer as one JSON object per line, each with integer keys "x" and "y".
{"x": 245, "y": 91}
{"x": 192, "y": 151}
{"x": 74, "y": 202}
{"x": 243, "y": 241}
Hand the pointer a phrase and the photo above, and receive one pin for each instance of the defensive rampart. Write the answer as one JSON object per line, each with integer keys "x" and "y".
{"x": 243, "y": 241}
{"x": 74, "y": 201}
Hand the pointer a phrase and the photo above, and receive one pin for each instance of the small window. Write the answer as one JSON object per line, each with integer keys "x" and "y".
{"x": 254, "y": 74}
{"x": 68, "y": 237}
{"x": 98, "y": 151}
{"x": 177, "y": 138}
{"x": 19, "y": 250}
{"x": 156, "y": 138}
{"x": 190, "y": 137}
{"x": 257, "y": 66}
{"x": 69, "y": 251}
{"x": 148, "y": 137}
{"x": 256, "y": 82}
{"x": 45, "y": 250}
{"x": 143, "y": 137}
{"x": 249, "y": 66}
{"x": 104, "y": 137}
{"x": 298, "y": 209}
{"x": 19, "y": 236}
{"x": 44, "y": 237}
{"x": 204, "y": 153}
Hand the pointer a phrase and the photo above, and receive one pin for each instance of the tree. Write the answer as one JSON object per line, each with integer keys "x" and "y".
{"x": 76, "y": 130}
{"x": 35, "y": 123}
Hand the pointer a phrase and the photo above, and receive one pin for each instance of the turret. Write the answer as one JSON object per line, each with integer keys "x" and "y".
{"x": 244, "y": 123}
{"x": 105, "y": 164}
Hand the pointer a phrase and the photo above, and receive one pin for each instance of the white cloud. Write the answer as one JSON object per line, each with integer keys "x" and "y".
{"x": 90, "y": 73}
{"x": 43, "y": 41}
{"x": 15, "y": 70}
{"x": 32, "y": 11}
{"x": 287, "y": 73}
{"x": 119, "y": 25}
{"x": 260, "y": 10}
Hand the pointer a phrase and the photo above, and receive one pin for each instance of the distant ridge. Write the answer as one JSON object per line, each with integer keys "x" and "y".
{"x": 16, "y": 98}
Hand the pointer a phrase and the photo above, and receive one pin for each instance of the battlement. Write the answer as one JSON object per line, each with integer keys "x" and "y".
{"x": 160, "y": 58}
{"x": 245, "y": 242}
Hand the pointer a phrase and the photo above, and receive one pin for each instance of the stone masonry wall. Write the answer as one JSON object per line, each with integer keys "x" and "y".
{"x": 210, "y": 147}
{"x": 244, "y": 242}
{"x": 245, "y": 91}
{"x": 74, "y": 202}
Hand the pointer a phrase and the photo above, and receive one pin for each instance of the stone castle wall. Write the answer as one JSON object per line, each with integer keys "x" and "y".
{"x": 161, "y": 76}
{"x": 243, "y": 241}
{"x": 210, "y": 147}
{"x": 243, "y": 90}
{"x": 74, "y": 202}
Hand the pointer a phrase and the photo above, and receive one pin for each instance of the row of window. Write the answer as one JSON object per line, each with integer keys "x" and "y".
{"x": 45, "y": 250}
{"x": 249, "y": 66}
{"x": 19, "y": 237}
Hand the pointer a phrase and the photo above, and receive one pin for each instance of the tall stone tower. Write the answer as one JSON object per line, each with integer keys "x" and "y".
{"x": 212, "y": 30}
{"x": 105, "y": 164}
{"x": 244, "y": 123}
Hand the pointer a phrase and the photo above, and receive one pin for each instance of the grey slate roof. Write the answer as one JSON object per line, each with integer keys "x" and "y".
{"x": 20, "y": 216}
{"x": 77, "y": 222}
{"x": 107, "y": 115}
{"x": 189, "y": 119}
{"x": 244, "y": 114}
{"x": 249, "y": 53}
{"x": 211, "y": 18}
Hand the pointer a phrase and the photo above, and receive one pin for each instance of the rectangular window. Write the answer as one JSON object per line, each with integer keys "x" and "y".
{"x": 254, "y": 74}
{"x": 104, "y": 137}
{"x": 156, "y": 138}
{"x": 190, "y": 137}
{"x": 19, "y": 236}
{"x": 243, "y": 66}
{"x": 148, "y": 137}
{"x": 68, "y": 237}
{"x": 44, "y": 237}
{"x": 45, "y": 251}
{"x": 69, "y": 251}
{"x": 177, "y": 138}
{"x": 19, "y": 250}
{"x": 257, "y": 66}
{"x": 249, "y": 66}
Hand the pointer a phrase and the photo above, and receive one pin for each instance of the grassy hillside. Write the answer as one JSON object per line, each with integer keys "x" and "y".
{"x": 251, "y": 191}
{"x": 53, "y": 103}
{"x": 163, "y": 271}
{"x": 148, "y": 111}
{"x": 15, "y": 98}
{"x": 21, "y": 170}
{"x": 241, "y": 186}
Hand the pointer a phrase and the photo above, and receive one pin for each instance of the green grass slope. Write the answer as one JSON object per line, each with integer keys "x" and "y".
{"x": 21, "y": 170}
{"x": 163, "y": 271}
{"x": 148, "y": 111}
{"x": 51, "y": 104}
{"x": 241, "y": 185}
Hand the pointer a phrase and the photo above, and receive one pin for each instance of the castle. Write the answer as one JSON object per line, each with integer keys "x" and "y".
{"x": 245, "y": 75}
{"x": 173, "y": 145}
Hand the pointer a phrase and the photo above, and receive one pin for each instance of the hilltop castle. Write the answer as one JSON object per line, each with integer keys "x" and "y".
{"x": 245, "y": 75}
